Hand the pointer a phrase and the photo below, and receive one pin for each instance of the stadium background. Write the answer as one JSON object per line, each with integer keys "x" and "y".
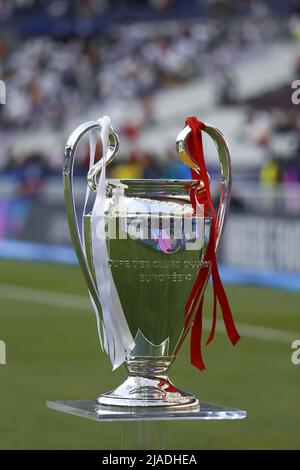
{"x": 149, "y": 64}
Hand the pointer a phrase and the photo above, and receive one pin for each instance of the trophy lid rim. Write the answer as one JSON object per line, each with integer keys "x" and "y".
{"x": 169, "y": 181}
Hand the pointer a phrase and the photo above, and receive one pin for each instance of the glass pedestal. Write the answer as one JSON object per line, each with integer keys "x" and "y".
{"x": 143, "y": 428}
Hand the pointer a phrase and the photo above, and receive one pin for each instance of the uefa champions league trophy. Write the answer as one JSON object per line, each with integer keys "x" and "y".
{"x": 141, "y": 249}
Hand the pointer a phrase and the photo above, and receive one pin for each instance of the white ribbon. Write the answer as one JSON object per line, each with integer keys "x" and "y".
{"x": 92, "y": 144}
{"x": 118, "y": 340}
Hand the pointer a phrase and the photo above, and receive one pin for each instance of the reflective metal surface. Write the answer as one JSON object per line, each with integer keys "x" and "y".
{"x": 148, "y": 385}
{"x": 153, "y": 282}
{"x": 112, "y": 151}
{"x": 153, "y": 274}
{"x": 69, "y": 157}
{"x": 225, "y": 166}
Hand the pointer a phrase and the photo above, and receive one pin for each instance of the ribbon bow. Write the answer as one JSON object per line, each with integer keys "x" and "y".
{"x": 194, "y": 304}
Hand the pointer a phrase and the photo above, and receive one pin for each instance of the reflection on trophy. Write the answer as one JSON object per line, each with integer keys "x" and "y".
{"x": 143, "y": 249}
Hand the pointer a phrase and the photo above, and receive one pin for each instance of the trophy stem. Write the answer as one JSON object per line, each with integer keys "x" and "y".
{"x": 148, "y": 385}
{"x": 148, "y": 367}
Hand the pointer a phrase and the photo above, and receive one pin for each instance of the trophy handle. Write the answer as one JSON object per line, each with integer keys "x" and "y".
{"x": 225, "y": 191}
{"x": 226, "y": 176}
{"x": 69, "y": 157}
{"x": 225, "y": 164}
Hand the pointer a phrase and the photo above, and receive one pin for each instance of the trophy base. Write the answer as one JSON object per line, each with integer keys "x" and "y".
{"x": 152, "y": 392}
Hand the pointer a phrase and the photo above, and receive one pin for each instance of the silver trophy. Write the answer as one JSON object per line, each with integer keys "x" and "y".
{"x": 155, "y": 247}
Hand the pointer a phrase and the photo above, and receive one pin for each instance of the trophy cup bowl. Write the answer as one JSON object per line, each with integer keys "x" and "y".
{"x": 155, "y": 250}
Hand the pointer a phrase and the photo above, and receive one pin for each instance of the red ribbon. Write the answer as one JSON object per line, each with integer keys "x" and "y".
{"x": 194, "y": 304}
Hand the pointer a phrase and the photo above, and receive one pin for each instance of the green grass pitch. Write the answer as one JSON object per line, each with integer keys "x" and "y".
{"x": 53, "y": 353}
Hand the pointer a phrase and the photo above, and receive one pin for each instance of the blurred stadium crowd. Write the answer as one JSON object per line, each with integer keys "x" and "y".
{"x": 51, "y": 81}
